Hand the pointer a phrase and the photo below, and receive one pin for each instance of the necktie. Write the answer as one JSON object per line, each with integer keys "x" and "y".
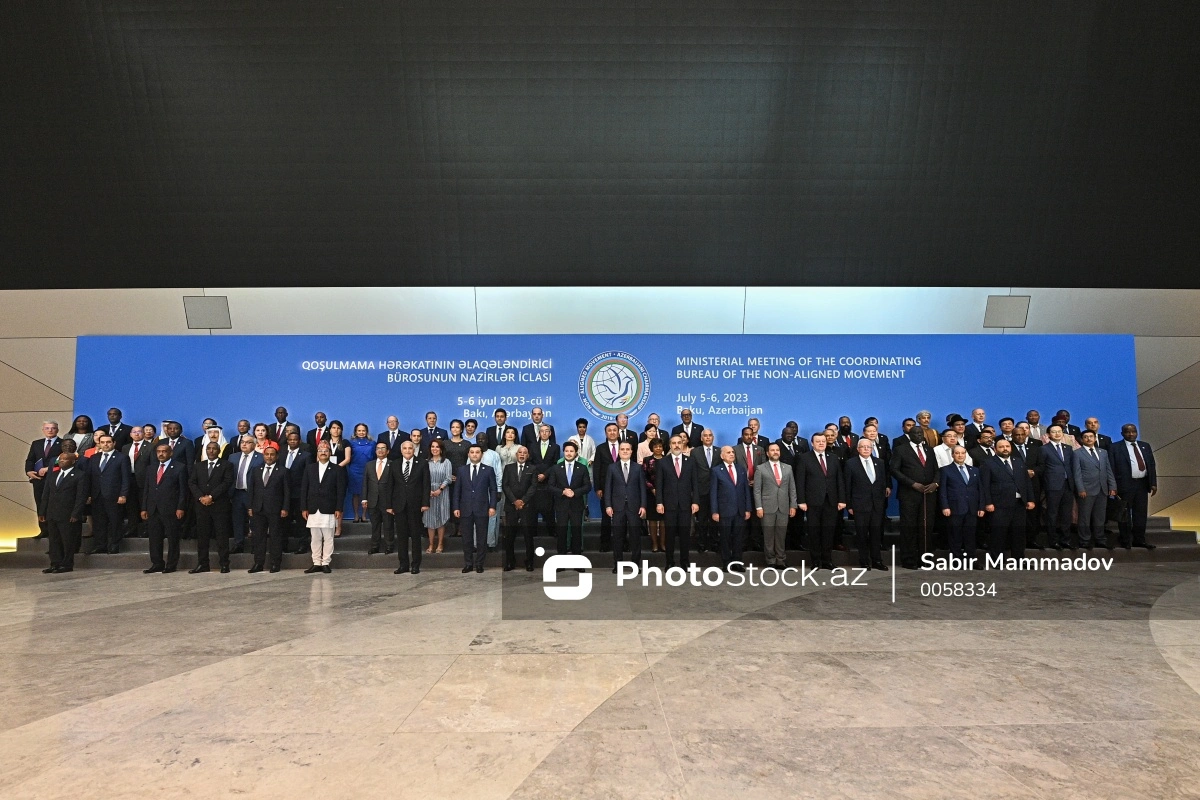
{"x": 1137, "y": 453}
{"x": 161, "y": 469}
{"x": 60, "y": 477}
{"x": 103, "y": 462}
{"x": 987, "y": 450}
{"x": 112, "y": 430}
{"x": 678, "y": 469}
{"x": 1058, "y": 447}
{"x": 279, "y": 430}
{"x": 568, "y": 473}
{"x": 211, "y": 464}
{"x": 613, "y": 448}
{"x": 136, "y": 447}
{"x": 921, "y": 454}
{"x": 173, "y": 441}
{"x": 1092, "y": 453}
{"x": 378, "y": 469}
{"x": 407, "y": 467}
{"x": 821, "y": 458}
{"x": 46, "y": 452}
{"x": 778, "y": 479}
{"x": 544, "y": 449}
{"x": 732, "y": 475}
{"x": 1021, "y": 447}
{"x": 520, "y": 467}
{"x": 963, "y": 470}
{"x": 869, "y": 466}
{"x": 708, "y": 455}
{"x": 474, "y": 472}
{"x": 1008, "y": 464}
{"x": 266, "y": 475}
{"x": 393, "y": 444}
{"x": 749, "y": 462}
{"x": 625, "y": 467}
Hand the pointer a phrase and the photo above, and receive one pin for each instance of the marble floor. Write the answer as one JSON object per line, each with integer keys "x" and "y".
{"x": 366, "y": 684}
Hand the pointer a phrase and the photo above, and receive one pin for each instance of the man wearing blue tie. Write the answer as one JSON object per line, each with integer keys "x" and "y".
{"x": 1058, "y": 468}
{"x": 960, "y": 494}
{"x": 109, "y": 477}
{"x": 474, "y": 503}
{"x": 1094, "y": 484}
{"x": 730, "y": 497}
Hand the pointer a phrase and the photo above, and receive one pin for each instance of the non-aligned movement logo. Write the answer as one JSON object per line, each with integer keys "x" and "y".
{"x": 614, "y": 383}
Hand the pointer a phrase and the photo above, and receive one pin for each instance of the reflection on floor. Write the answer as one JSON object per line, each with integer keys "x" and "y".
{"x": 363, "y": 683}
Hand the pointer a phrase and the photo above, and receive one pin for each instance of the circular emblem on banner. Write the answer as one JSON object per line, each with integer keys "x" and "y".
{"x": 614, "y": 383}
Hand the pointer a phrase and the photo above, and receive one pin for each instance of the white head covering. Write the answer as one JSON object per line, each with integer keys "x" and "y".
{"x": 220, "y": 440}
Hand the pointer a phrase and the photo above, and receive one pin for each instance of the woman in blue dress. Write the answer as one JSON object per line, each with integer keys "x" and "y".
{"x": 363, "y": 448}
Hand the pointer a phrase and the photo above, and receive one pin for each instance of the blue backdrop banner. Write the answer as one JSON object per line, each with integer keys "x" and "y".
{"x": 723, "y": 378}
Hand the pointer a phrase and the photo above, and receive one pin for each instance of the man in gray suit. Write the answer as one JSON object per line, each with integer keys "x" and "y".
{"x": 775, "y": 504}
{"x": 1094, "y": 483}
{"x": 378, "y": 485}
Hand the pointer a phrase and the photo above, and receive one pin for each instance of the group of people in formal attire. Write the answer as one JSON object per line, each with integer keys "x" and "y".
{"x": 969, "y": 486}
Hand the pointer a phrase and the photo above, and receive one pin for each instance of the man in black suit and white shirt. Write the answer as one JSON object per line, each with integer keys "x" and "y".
{"x": 623, "y": 432}
{"x": 819, "y": 494}
{"x": 378, "y": 488}
{"x": 60, "y": 508}
{"x": 1136, "y": 472}
{"x": 690, "y": 430}
{"x": 974, "y": 428}
{"x": 270, "y": 497}
{"x": 867, "y": 491}
{"x": 569, "y": 484}
{"x": 749, "y": 455}
{"x": 431, "y": 430}
{"x": 607, "y": 454}
{"x": 916, "y": 471}
{"x": 625, "y": 505}
{"x": 410, "y": 499}
{"x": 164, "y": 500}
{"x": 762, "y": 441}
{"x": 109, "y": 477}
{"x": 318, "y": 434}
{"x": 211, "y": 481}
{"x": 704, "y": 457}
{"x": 140, "y": 455}
{"x": 42, "y": 453}
{"x": 543, "y": 456}
{"x": 519, "y": 486}
{"x": 495, "y": 433}
{"x": 393, "y": 437}
{"x": 532, "y": 431}
{"x": 675, "y": 489}
{"x": 323, "y": 497}
{"x": 117, "y": 429}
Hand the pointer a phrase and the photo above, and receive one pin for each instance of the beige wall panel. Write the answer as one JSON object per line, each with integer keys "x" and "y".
{"x": 1178, "y": 457}
{"x": 1178, "y": 391}
{"x": 19, "y": 392}
{"x": 1184, "y": 514}
{"x": 1160, "y": 357}
{"x": 50, "y": 361}
{"x": 652, "y": 309}
{"x": 1173, "y": 490}
{"x": 12, "y": 457}
{"x": 26, "y": 425}
{"x": 366, "y": 310}
{"x": 846, "y": 309}
{"x": 1142, "y": 312}
{"x": 1161, "y": 426}
{"x": 18, "y": 492}
{"x": 16, "y": 521}
{"x": 122, "y": 311}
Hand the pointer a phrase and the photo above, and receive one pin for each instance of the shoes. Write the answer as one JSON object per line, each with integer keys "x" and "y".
{"x": 827, "y": 565}
{"x": 416, "y": 570}
{"x": 168, "y": 570}
{"x": 428, "y": 550}
{"x": 152, "y": 569}
{"x": 196, "y": 570}
{"x": 466, "y": 570}
{"x": 327, "y": 569}
{"x": 375, "y": 550}
{"x": 255, "y": 568}
{"x": 112, "y": 551}
{"x": 879, "y": 565}
{"x": 49, "y": 570}
{"x": 61, "y": 570}
{"x": 738, "y": 568}
{"x": 237, "y": 549}
{"x": 388, "y": 551}
{"x": 840, "y": 547}
{"x": 312, "y": 569}
{"x": 529, "y": 568}
{"x": 614, "y": 569}
{"x": 1146, "y": 545}
{"x": 224, "y": 570}
{"x": 399, "y": 571}
{"x": 509, "y": 567}
{"x": 274, "y": 568}
{"x": 479, "y": 569}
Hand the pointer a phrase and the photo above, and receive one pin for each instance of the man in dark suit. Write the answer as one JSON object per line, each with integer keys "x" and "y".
{"x": 295, "y": 460}
{"x": 884, "y": 442}
{"x": 410, "y": 499}
{"x": 520, "y": 487}
{"x": 960, "y": 495}
{"x": 867, "y": 491}
{"x": 495, "y": 433}
{"x": 688, "y": 429}
{"x": 277, "y": 432}
{"x": 973, "y": 429}
{"x": 109, "y": 479}
{"x": 118, "y": 430}
{"x": 819, "y": 495}
{"x": 847, "y": 439}
{"x": 543, "y": 456}
{"x": 532, "y": 431}
{"x": 474, "y": 502}
{"x": 1058, "y": 466}
{"x": 164, "y": 500}
{"x": 1136, "y": 473}
{"x": 569, "y": 484}
{"x": 916, "y": 470}
{"x": 755, "y": 425}
{"x": 318, "y": 434}
{"x": 704, "y": 457}
{"x": 61, "y": 505}
{"x": 675, "y": 488}
{"x": 323, "y": 496}
{"x": 984, "y": 447}
{"x": 1029, "y": 450}
{"x": 393, "y": 437}
{"x": 140, "y": 455}
{"x": 211, "y": 482}
{"x": 431, "y": 430}
{"x": 182, "y": 449}
{"x": 879, "y": 444}
{"x": 607, "y": 454}
{"x": 378, "y": 486}
{"x": 1072, "y": 430}
{"x": 244, "y": 464}
{"x": 1007, "y": 497}
{"x": 42, "y": 453}
{"x": 791, "y": 446}
{"x": 1103, "y": 441}
{"x": 1095, "y": 483}
{"x": 623, "y": 432}
{"x": 731, "y": 506}
{"x": 269, "y": 499}
{"x": 748, "y": 455}
{"x": 625, "y": 505}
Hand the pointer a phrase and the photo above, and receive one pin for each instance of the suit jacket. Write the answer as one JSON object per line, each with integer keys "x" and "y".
{"x": 530, "y": 434}
{"x": 728, "y": 500}
{"x": 378, "y": 490}
{"x": 37, "y": 452}
{"x": 219, "y": 484}
{"x": 626, "y": 496}
{"x": 1001, "y": 486}
{"x": 850, "y": 447}
{"x": 310, "y": 439}
{"x": 1123, "y": 467}
{"x": 907, "y": 468}
{"x": 977, "y": 454}
{"x": 168, "y": 495}
{"x": 959, "y": 496}
{"x": 276, "y": 432}
{"x": 274, "y": 496}
{"x": 814, "y": 486}
{"x": 386, "y": 438}
{"x": 295, "y": 473}
{"x": 522, "y": 489}
{"x": 235, "y": 461}
{"x": 473, "y": 498}
{"x": 1073, "y": 430}
{"x": 543, "y": 464}
{"x": 66, "y": 500}
{"x": 693, "y": 438}
{"x": 703, "y": 468}
{"x": 971, "y": 435}
{"x": 494, "y": 437}
{"x": 739, "y": 456}
{"x": 1057, "y": 473}
{"x": 863, "y": 495}
{"x": 324, "y": 495}
{"x": 580, "y": 484}
{"x": 772, "y": 498}
{"x": 884, "y": 448}
{"x": 601, "y": 463}
{"x": 145, "y": 456}
{"x": 120, "y": 434}
{"x": 437, "y": 433}
{"x": 183, "y": 451}
{"x": 1093, "y": 475}
{"x": 116, "y": 479}
{"x": 628, "y": 436}
{"x": 413, "y": 493}
{"x": 676, "y": 492}
{"x": 799, "y": 448}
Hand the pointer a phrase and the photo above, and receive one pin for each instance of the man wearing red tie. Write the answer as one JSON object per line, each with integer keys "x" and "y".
{"x": 317, "y": 434}
{"x": 277, "y": 433}
{"x": 749, "y": 455}
{"x": 916, "y": 472}
{"x": 677, "y": 500}
{"x": 774, "y": 505}
{"x": 731, "y": 502}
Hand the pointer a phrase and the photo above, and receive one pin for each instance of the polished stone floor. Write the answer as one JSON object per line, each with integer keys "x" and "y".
{"x": 366, "y": 684}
